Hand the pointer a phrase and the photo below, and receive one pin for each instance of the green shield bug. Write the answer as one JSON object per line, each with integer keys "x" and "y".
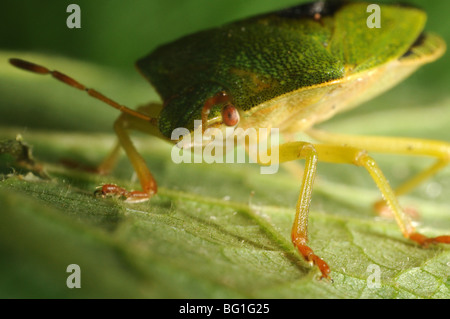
{"x": 290, "y": 70}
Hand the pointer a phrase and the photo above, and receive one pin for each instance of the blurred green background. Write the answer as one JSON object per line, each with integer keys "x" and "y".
{"x": 192, "y": 243}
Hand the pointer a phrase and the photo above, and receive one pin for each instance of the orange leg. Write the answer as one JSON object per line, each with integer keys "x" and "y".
{"x": 148, "y": 183}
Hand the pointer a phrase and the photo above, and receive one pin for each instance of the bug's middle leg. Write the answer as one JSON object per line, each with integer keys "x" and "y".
{"x": 110, "y": 161}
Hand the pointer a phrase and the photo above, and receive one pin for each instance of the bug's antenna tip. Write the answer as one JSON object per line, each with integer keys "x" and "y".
{"x": 16, "y": 62}
{"x": 28, "y": 66}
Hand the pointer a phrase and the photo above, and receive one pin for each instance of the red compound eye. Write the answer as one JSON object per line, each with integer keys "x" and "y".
{"x": 230, "y": 116}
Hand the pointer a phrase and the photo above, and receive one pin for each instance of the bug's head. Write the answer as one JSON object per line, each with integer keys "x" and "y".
{"x": 197, "y": 115}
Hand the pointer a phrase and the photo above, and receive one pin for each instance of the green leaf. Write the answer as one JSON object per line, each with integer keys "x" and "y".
{"x": 200, "y": 237}
{"x": 202, "y": 241}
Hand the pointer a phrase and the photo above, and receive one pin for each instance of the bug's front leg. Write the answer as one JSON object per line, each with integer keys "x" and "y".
{"x": 299, "y": 233}
{"x": 148, "y": 183}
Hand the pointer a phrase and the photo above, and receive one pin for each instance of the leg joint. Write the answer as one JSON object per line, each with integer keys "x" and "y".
{"x": 306, "y": 150}
{"x": 362, "y": 158}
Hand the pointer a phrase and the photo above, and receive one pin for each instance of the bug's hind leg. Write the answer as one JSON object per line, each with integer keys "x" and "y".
{"x": 148, "y": 183}
{"x": 395, "y": 145}
{"x": 406, "y": 146}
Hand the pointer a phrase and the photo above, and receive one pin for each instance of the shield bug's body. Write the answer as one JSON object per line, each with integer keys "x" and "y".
{"x": 289, "y": 70}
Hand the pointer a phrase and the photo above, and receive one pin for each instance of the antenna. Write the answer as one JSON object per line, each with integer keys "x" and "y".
{"x": 29, "y": 66}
